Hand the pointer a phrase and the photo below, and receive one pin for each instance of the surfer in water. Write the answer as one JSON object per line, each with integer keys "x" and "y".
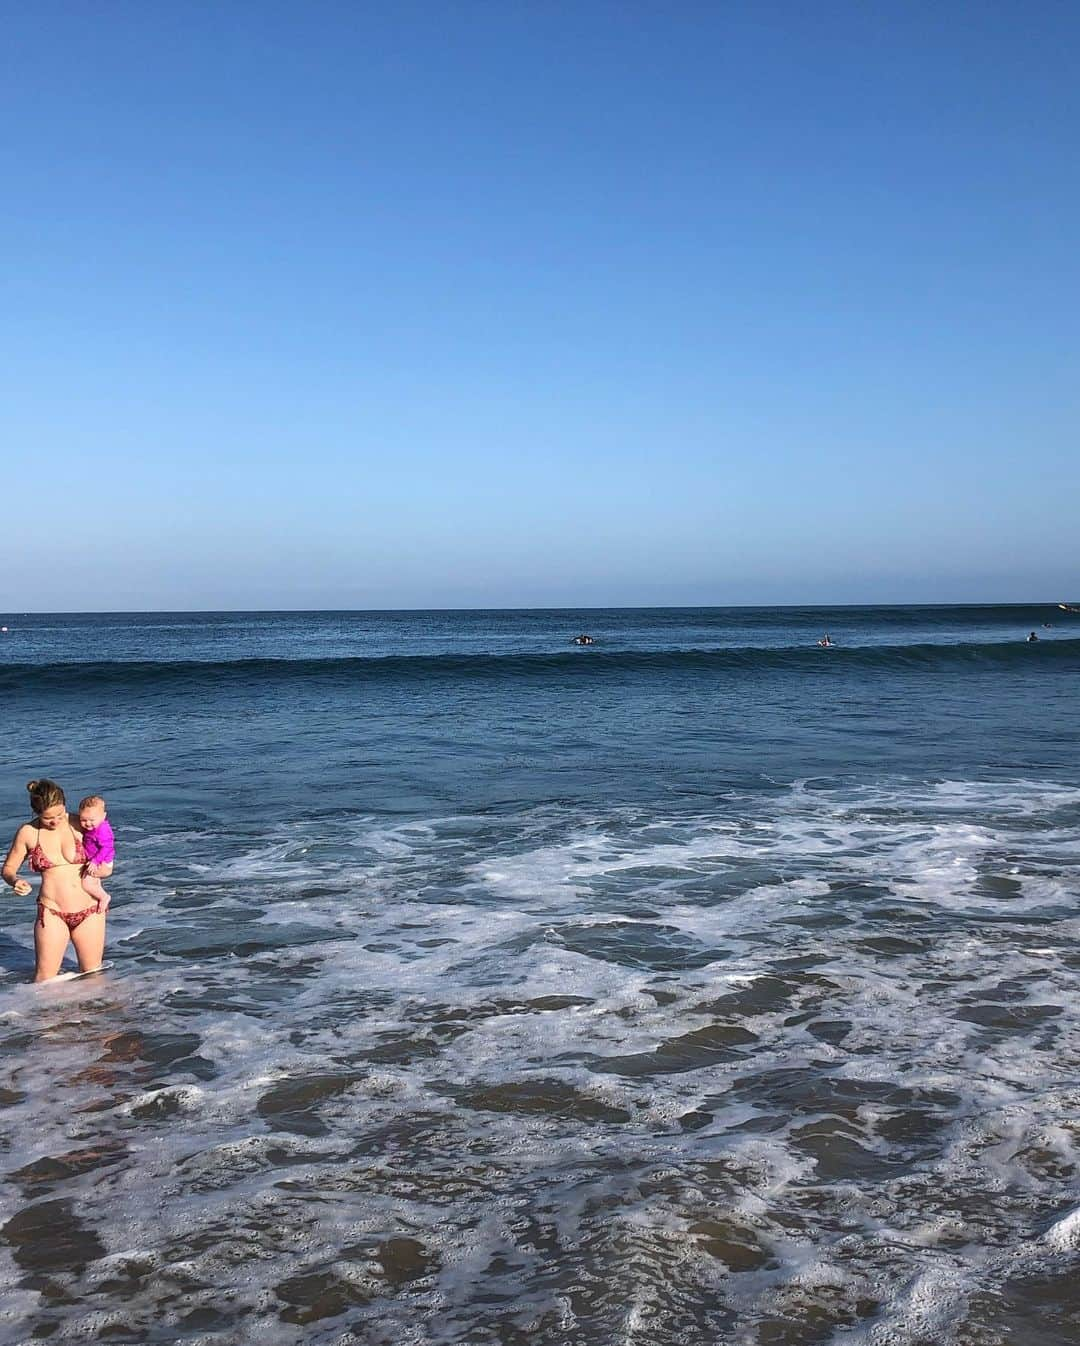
{"x": 54, "y": 848}
{"x": 583, "y": 640}
{"x": 826, "y": 641}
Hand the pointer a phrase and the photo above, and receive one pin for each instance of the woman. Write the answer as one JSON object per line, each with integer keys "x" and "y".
{"x": 55, "y": 851}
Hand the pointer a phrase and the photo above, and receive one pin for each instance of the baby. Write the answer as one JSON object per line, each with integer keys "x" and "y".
{"x": 100, "y": 849}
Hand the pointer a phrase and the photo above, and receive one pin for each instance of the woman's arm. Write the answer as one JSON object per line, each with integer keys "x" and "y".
{"x": 20, "y": 847}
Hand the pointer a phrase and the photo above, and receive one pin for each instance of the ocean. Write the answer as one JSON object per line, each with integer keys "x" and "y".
{"x": 469, "y": 987}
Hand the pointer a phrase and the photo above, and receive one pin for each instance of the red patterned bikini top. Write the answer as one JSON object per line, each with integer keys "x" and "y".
{"x": 39, "y": 862}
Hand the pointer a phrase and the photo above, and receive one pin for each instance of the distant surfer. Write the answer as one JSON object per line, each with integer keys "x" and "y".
{"x": 583, "y": 640}
{"x": 1032, "y": 637}
{"x": 826, "y": 641}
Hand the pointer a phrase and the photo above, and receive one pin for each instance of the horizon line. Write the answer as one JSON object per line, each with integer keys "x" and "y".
{"x": 589, "y": 607}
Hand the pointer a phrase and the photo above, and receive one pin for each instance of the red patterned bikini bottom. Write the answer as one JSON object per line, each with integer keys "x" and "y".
{"x": 70, "y": 918}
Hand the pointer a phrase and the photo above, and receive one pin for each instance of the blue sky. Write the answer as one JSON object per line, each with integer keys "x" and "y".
{"x": 469, "y": 304}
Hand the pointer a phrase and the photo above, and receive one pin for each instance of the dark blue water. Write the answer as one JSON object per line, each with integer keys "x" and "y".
{"x": 470, "y": 986}
{"x": 401, "y": 712}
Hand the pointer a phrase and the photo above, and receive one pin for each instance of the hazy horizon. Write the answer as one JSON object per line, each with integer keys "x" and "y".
{"x": 543, "y": 607}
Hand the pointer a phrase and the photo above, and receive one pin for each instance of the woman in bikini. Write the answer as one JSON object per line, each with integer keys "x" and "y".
{"x": 54, "y": 850}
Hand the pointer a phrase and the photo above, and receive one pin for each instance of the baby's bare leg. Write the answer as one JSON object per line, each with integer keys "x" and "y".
{"x": 94, "y": 888}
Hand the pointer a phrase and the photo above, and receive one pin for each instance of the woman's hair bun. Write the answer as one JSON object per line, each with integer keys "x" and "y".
{"x": 45, "y": 794}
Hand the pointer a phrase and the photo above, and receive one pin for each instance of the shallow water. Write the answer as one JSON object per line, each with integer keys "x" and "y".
{"x": 660, "y": 1004}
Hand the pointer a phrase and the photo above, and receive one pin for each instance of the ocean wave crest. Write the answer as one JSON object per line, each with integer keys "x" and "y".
{"x": 591, "y": 663}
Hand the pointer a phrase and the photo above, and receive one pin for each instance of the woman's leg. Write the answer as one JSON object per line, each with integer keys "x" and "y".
{"x": 89, "y": 940}
{"x": 50, "y": 942}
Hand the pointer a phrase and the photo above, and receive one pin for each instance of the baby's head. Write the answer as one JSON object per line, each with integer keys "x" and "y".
{"x": 91, "y": 812}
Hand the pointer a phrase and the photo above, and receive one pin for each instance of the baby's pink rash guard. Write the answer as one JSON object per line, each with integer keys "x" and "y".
{"x": 99, "y": 844}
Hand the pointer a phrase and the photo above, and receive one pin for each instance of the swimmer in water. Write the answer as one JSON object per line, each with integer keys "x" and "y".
{"x": 583, "y": 640}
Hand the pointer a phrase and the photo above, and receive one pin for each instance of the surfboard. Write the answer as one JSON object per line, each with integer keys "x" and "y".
{"x": 75, "y": 976}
